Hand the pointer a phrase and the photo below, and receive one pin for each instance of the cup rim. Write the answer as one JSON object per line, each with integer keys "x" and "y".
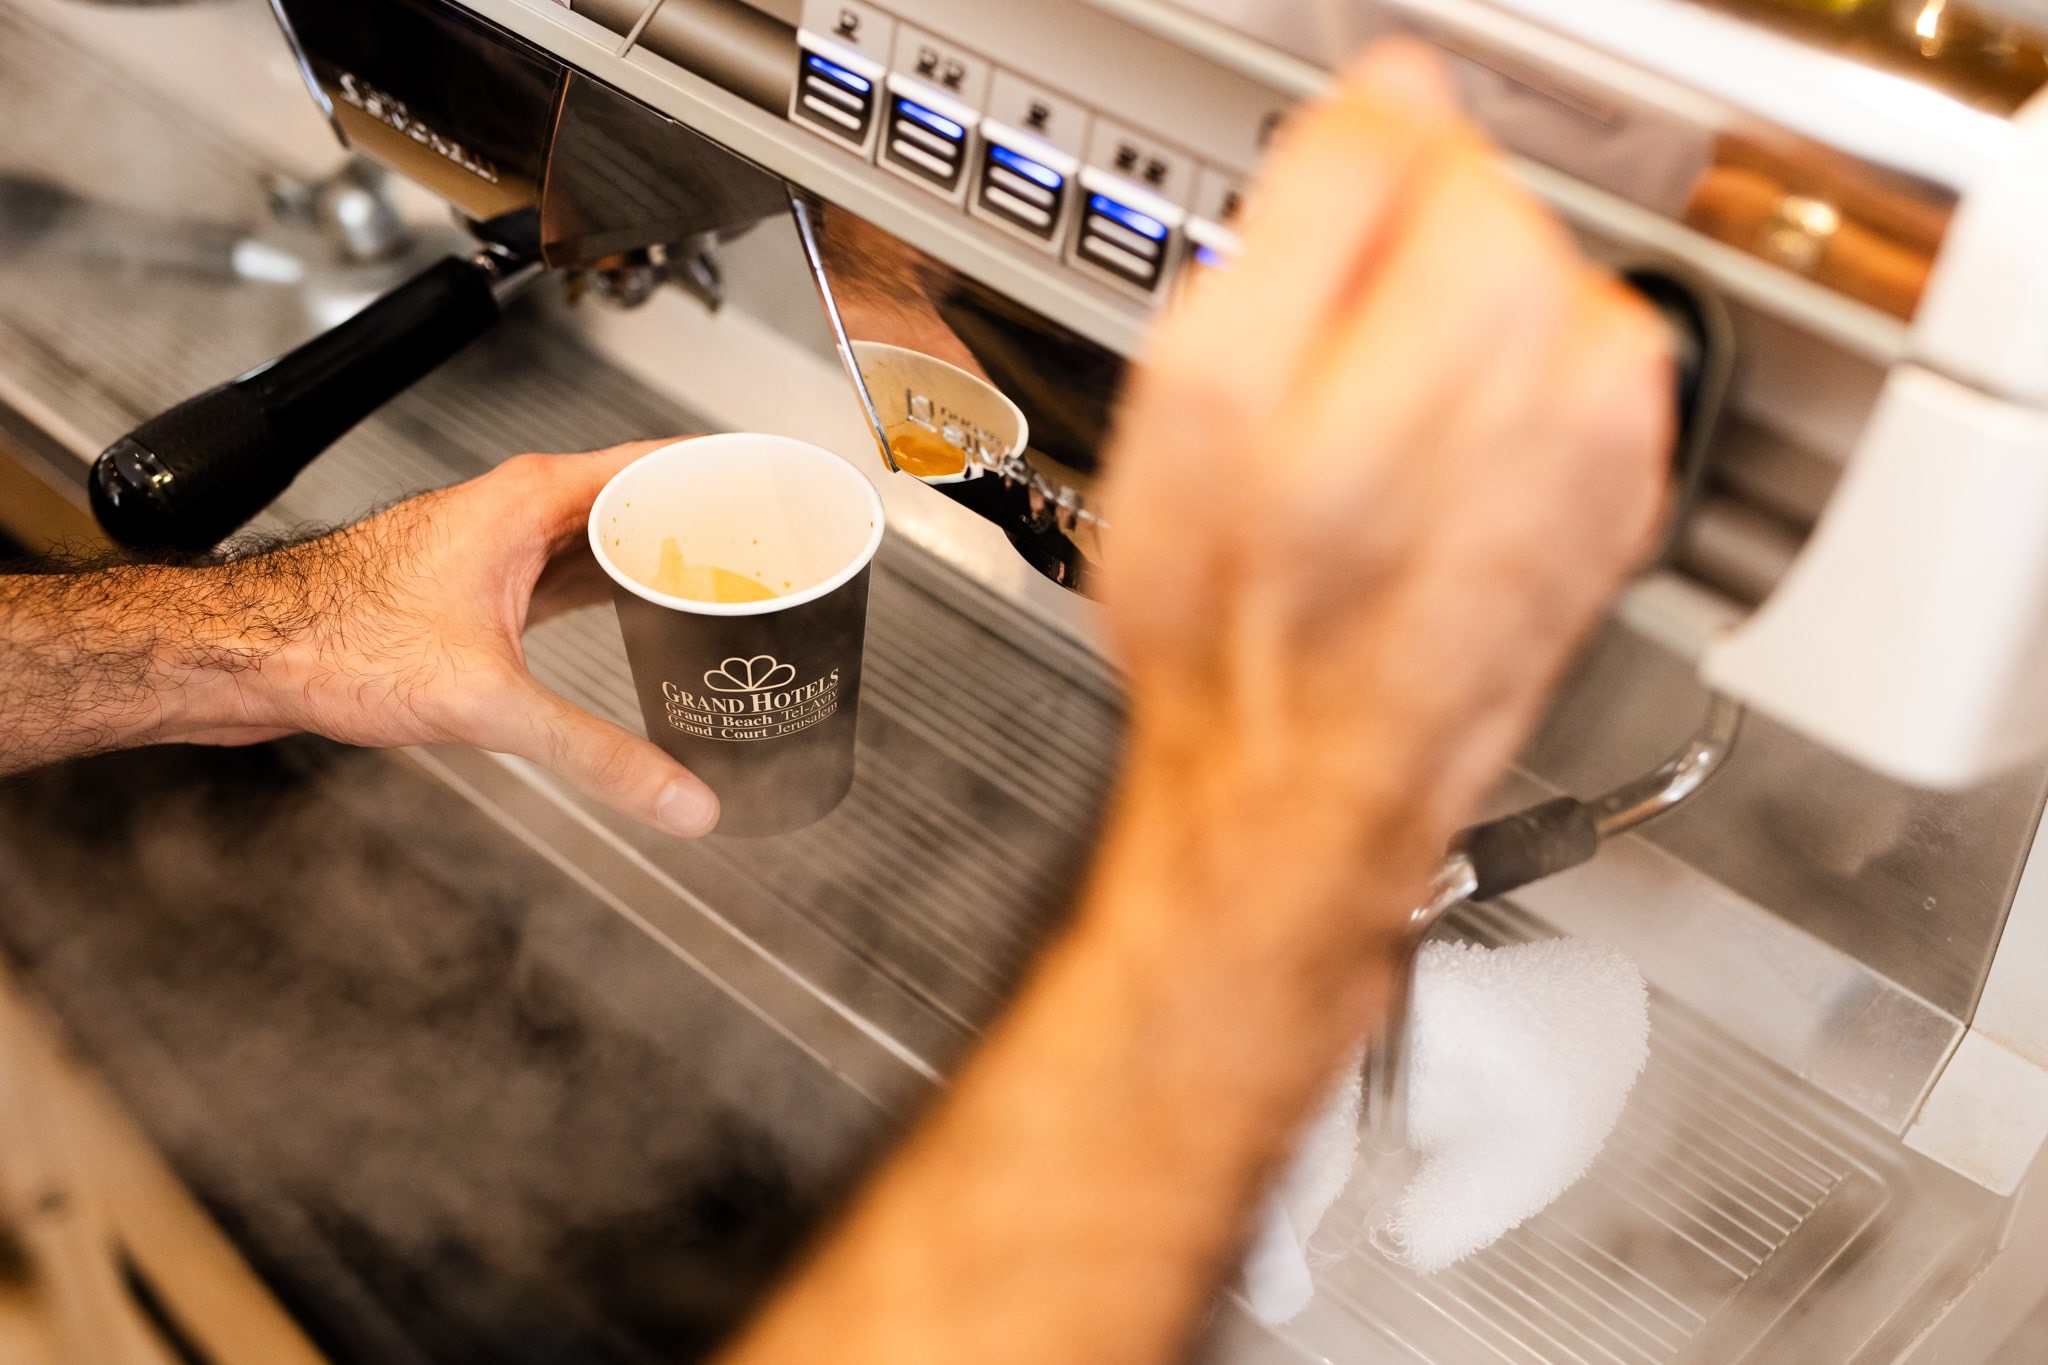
{"x": 780, "y": 602}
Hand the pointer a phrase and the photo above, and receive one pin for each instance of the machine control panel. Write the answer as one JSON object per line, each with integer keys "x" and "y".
{"x": 1121, "y": 204}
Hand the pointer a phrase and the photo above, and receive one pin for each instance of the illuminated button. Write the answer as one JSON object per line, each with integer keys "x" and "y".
{"x": 1124, "y": 232}
{"x": 836, "y": 94}
{"x": 927, "y": 137}
{"x": 1024, "y": 185}
{"x": 1039, "y": 183}
{"x": 1212, "y": 243}
{"x": 1211, "y": 246}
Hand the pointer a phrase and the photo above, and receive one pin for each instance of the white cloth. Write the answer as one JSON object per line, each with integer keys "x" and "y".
{"x": 1276, "y": 1274}
{"x": 1521, "y": 1061}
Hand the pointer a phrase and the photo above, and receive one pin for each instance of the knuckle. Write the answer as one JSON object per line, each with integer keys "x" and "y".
{"x": 1620, "y": 420}
{"x": 1484, "y": 187}
{"x": 1340, "y": 125}
{"x": 1519, "y": 261}
{"x": 1347, "y": 136}
{"x": 1542, "y": 259}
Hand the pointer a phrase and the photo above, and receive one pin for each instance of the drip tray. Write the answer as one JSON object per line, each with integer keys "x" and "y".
{"x": 1735, "y": 1215}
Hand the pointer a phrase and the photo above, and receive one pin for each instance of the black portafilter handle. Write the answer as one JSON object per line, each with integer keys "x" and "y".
{"x": 188, "y": 478}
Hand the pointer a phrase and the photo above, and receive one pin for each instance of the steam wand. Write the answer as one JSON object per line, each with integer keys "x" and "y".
{"x": 1502, "y": 855}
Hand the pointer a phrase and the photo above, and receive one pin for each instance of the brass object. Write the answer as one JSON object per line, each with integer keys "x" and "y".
{"x": 1797, "y": 236}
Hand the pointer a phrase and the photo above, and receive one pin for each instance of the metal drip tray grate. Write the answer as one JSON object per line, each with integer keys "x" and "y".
{"x": 1726, "y": 1196}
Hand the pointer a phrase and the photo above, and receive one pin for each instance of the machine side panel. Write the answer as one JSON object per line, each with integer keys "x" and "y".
{"x": 621, "y": 177}
{"x": 403, "y": 76}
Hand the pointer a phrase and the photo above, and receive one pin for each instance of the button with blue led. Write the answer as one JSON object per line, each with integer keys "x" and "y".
{"x": 1025, "y": 191}
{"x": 836, "y": 94}
{"x": 927, "y": 136}
{"x": 1210, "y": 245}
{"x": 1024, "y": 185}
{"x": 1125, "y": 232}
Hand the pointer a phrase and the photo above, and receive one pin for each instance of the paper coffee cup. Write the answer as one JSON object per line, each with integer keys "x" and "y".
{"x": 912, "y": 392}
{"x": 759, "y": 698}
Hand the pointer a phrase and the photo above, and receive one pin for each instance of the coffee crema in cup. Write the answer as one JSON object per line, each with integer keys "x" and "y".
{"x": 678, "y": 577}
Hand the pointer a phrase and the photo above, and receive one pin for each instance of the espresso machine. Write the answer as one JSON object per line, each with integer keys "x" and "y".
{"x": 1835, "y": 1154}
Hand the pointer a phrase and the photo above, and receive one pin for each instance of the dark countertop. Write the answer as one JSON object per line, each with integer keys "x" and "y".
{"x": 450, "y": 1106}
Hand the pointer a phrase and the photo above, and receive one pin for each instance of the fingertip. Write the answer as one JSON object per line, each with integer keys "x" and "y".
{"x": 687, "y": 808}
{"x": 603, "y": 761}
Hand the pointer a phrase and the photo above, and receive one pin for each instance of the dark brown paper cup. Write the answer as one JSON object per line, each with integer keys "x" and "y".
{"x": 760, "y": 699}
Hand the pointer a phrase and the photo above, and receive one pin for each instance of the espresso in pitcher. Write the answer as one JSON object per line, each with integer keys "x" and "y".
{"x": 925, "y": 454}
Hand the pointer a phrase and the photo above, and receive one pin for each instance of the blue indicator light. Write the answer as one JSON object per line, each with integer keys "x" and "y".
{"x": 1130, "y": 218}
{"x": 837, "y": 72}
{"x": 938, "y": 123}
{"x": 1211, "y": 257}
{"x": 1026, "y": 167}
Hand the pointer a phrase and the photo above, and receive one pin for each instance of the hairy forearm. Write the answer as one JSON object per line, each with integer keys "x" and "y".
{"x": 1080, "y": 1191}
{"x": 405, "y": 628}
{"x": 126, "y": 654}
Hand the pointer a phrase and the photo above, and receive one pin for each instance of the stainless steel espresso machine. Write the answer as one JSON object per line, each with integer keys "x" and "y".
{"x": 1836, "y": 1152}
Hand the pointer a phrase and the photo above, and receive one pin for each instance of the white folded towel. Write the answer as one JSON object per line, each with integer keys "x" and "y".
{"x": 1276, "y": 1274}
{"x": 1521, "y": 1060}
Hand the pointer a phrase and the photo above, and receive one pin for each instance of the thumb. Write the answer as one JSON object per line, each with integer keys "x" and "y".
{"x": 604, "y": 762}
